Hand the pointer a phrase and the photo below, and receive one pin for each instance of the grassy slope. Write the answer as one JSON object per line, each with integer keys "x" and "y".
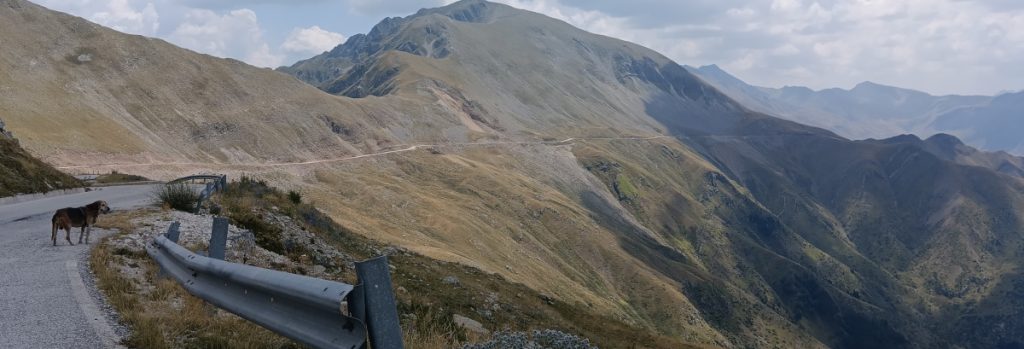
{"x": 22, "y": 173}
{"x": 426, "y": 302}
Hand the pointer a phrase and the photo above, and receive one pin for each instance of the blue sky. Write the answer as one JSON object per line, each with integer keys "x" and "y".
{"x": 937, "y": 46}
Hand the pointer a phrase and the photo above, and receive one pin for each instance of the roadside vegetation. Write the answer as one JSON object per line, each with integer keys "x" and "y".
{"x": 177, "y": 196}
{"x": 158, "y": 311}
{"x": 21, "y": 173}
{"x": 434, "y": 296}
{"x": 115, "y": 177}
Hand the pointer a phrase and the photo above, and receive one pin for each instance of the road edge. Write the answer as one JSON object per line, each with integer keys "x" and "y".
{"x": 96, "y": 319}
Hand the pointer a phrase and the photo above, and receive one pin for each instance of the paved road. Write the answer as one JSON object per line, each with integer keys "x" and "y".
{"x": 43, "y": 301}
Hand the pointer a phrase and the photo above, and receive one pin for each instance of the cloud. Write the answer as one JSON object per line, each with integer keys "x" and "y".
{"x": 234, "y": 4}
{"x": 392, "y": 7}
{"x": 134, "y": 17}
{"x": 312, "y": 40}
{"x": 235, "y": 34}
{"x": 940, "y": 46}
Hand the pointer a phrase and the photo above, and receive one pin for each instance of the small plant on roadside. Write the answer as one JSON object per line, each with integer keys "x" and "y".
{"x": 179, "y": 196}
{"x": 295, "y": 197}
{"x": 425, "y": 323}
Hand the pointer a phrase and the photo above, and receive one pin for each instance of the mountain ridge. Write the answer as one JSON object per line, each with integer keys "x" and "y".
{"x": 872, "y": 110}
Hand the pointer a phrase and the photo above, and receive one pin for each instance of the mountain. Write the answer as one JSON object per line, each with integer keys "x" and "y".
{"x": 871, "y": 110}
{"x": 21, "y": 173}
{"x": 591, "y": 169}
{"x": 994, "y": 125}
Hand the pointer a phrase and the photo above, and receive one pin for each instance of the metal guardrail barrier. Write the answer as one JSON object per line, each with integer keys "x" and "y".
{"x": 199, "y": 177}
{"x": 219, "y": 183}
{"x": 305, "y": 309}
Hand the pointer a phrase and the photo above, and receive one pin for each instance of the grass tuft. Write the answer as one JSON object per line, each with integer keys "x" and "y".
{"x": 178, "y": 196}
{"x": 295, "y": 197}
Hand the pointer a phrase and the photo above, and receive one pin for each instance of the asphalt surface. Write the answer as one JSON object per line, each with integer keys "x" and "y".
{"x": 43, "y": 303}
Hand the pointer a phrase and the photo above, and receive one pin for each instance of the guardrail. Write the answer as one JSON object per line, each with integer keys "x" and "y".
{"x": 219, "y": 183}
{"x": 305, "y": 309}
{"x": 203, "y": 177}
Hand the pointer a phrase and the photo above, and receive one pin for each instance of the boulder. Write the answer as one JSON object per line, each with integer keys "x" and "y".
{"x": 470, "y": 324}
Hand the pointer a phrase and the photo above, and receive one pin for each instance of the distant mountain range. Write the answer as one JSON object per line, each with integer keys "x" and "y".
{"x": 871, "y": 110}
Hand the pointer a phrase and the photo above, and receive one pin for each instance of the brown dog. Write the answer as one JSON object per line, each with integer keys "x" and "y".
{"x": 84, "y": 217}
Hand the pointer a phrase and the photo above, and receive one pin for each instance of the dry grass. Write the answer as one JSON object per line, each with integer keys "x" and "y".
{"x": 162, "y": 314}
{"x": 427, "y": 305}
{"x": 122, "y": 221}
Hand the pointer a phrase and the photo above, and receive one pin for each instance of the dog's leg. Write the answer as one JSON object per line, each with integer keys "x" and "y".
{"x": 82, "y": 233}
{"x": 53, "y": 235}
{"x": 67, "y": 235}
{"x": 88, "y": 231}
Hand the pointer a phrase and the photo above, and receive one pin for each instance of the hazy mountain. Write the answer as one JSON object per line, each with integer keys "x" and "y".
{"x": 871, "y": 110}
{"x": 997, "y": 124}
{"x": 673, "y": 208}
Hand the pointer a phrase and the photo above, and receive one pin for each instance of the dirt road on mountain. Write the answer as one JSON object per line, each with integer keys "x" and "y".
{"x": 356, "y": 157}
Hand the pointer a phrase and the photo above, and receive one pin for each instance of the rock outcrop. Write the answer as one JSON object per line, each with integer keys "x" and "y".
{"x": 4, "y": 133}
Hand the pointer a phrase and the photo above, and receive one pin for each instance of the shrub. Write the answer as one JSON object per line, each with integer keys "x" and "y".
{"x": 295, "y": 197}
{"x": 179, "y": 196}
{"x": 267, "y": 234}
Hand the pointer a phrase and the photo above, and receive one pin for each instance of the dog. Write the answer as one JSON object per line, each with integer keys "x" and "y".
{"x": 74, "y": 217}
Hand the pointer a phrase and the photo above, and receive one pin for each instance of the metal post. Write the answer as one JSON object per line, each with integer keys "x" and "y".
{"x": 172, "y": 232}
{"x": 381, "y": 313}
{"x": 218, "y": 238}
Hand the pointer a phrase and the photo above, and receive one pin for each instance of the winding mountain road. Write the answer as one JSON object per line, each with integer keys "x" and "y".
{"x": 44, "y": 302}
{"x": 356, "y": 157}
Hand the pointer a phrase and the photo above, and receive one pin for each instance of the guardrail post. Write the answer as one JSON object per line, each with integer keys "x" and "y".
{"x": 378, "y": 306}
{"x": 172, "y": 232}
{"x": 218, "y": 238}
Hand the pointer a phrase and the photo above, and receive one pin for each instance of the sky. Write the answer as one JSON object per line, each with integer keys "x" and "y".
{"x": 936, "y": 46}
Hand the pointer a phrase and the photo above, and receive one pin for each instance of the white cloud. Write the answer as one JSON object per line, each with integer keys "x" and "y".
{"x": 235, "y": 34}
{"x": 312, "y": 40}
{"x": 940, "y": 46}
{"x": 134, "y": 17}
{"x": 392, "y": 7}
{"x": 943, "y": 46}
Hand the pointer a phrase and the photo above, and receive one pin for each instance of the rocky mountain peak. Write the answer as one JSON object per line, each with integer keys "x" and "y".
{"x": 472, "y": 11}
